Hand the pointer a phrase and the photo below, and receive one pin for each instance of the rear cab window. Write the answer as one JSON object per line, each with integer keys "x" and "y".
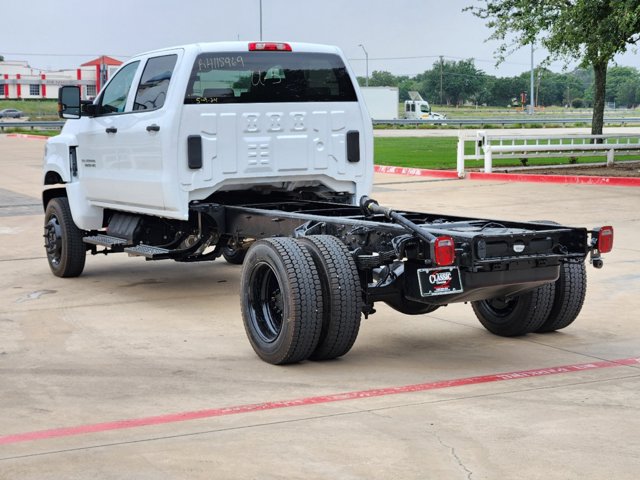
{"x": 268, "y": 77}
{"x": 154, "y": 83}
{"x": 151, "y": 89}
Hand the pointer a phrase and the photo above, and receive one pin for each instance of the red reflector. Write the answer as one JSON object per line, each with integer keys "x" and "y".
{"x": 269, "y": 46}
{"x": 444, "y": 251}
{"x": 605, "y": 239}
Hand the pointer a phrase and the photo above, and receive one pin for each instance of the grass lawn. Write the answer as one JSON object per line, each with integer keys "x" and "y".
{"x": 35, "y": 109}
{"x": 28, "y": 131}
{"x": 440, "y": 153}
{"x": 431, "y": 152}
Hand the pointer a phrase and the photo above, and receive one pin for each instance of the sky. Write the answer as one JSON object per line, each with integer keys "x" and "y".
{"x": 401, "y": 36}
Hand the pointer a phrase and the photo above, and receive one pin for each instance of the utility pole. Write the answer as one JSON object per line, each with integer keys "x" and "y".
{"x": 531, "y": 106}
{"x": 441, "y": 62}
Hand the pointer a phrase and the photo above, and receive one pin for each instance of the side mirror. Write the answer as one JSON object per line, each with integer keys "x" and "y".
{"x": 69, "y": 105}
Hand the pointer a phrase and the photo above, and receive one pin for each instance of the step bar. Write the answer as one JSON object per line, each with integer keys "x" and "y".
{"x": 118, "y": 244}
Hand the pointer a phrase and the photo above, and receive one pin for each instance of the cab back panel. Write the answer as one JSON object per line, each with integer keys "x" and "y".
{"x": 265, "y": 121}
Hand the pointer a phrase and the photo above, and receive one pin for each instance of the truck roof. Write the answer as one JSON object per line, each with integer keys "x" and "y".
{"x": 243, "y": 46}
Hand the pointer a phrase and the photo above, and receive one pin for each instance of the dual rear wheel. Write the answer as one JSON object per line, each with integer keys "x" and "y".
{"x": 301, "y": 299}
{"x": 548, "y": 308}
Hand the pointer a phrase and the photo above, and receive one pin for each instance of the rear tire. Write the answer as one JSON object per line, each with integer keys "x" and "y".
{"x": 341, "y": 295}
{"x": 66, "y": 252}
{"x": 281, "y": 301}
{"x": 518, "y": 315}
{"x": 570, "y": 291}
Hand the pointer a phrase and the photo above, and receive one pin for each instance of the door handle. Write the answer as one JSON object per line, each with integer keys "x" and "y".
{"x": 111, "y": 130}
{"x": 153, "y": 128}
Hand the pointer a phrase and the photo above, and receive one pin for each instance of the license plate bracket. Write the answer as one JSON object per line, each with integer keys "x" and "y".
{"x": 439, "y": 281}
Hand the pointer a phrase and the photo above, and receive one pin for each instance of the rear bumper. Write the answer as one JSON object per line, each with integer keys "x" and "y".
{"x": 483, "y": 285}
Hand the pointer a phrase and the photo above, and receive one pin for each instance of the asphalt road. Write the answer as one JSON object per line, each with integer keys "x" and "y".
{"x": 143, "y": 369}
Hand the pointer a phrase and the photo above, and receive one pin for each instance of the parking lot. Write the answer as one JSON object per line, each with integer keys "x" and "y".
{"x": 142, "y": 369}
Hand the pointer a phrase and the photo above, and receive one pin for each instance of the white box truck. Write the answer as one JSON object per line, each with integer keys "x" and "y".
{"x": 382, "y": 102}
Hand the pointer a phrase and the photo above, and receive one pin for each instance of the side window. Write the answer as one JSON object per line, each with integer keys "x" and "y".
{"x": 154, "y": 83}
{"x": 114, "y": 98}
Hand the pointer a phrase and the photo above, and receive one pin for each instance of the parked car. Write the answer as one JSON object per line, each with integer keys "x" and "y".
{"x": 10, "y": 113}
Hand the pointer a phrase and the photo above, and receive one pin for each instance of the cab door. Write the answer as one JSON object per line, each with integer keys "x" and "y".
{"x": 125, "y": 144}
{"x": 98, "y": 164}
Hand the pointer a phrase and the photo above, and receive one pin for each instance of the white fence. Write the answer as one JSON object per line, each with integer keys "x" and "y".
{"x": 489, "y": 145}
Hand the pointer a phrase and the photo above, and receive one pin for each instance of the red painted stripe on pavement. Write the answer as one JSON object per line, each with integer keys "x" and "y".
{"x": 513, "y": 177}
{"x": 564, "y": 179}
{"x": 24, "y": 135}
{"x": 416, "y": 172}
{"x": 340, "y": 397}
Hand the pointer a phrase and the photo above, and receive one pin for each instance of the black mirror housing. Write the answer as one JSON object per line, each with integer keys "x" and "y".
{"x": 69, "y": 104}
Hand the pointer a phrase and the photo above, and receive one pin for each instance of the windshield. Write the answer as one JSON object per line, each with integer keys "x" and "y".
{"x": 268, "y": 77}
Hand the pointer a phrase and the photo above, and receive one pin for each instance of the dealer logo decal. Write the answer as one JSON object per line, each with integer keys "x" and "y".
{"x": 440, "y": 280}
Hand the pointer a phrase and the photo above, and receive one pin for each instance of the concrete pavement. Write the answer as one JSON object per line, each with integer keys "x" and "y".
{"x": 130, "y": 340}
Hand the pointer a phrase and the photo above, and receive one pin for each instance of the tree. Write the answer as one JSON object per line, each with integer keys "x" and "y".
{"x": 406, "y": 85}
{"x": 622, "y": 84}
{"x": 382, "y": 79}
{"x": 458, "y": 81}
{"x": 589, "y": 31}
{"x": 1, "y": 58}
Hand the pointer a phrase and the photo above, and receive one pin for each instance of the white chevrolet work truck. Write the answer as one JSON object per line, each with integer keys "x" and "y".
{"x": 262, "y": 153}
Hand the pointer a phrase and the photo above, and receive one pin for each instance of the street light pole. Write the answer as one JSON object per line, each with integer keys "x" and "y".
{"x": 366, "y": 59}
{"x": 260, "y": 20}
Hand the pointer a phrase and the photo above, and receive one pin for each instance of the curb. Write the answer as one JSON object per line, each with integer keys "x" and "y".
{"x": 416, "y": 172}
{"x": 514, "y": 177}
{"x": 557, "y": 179}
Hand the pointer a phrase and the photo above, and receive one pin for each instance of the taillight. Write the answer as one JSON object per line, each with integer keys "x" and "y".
{"x": 605, "y": 239}
{"x": 444, "y": 251}
{"x": 269, "y": 46}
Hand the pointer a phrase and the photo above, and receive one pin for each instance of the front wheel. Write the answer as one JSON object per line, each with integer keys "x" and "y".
{"x": 66, "y": 252}
{"x": 516, "y": 315}
{"x": 281, "y": 301}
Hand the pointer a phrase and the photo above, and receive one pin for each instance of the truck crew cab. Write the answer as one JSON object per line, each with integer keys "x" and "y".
{"x": 262, "y": 153}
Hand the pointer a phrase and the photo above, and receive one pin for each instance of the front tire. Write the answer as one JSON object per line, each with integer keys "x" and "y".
{"x": 570, "y": 291}
{"x": 66, "y": 252}
{"x": 281, "y": 301}
{"x": 341, "y": 294}
{"x": 517, "y": 315}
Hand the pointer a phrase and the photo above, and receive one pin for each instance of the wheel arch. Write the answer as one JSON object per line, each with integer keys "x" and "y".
{"x": 53, "y": 177}
{"x": 51, "y": 193}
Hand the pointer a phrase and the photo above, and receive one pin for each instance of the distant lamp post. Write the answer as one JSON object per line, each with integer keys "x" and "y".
{"x": 260, "y": 20}
{"x": 366, "y": 60}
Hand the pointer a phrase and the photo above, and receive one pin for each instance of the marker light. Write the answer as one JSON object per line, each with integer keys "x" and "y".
{"x": 605, "y": 239}
{"x": 444, "y": 250}
{"x": 269, "y": 46}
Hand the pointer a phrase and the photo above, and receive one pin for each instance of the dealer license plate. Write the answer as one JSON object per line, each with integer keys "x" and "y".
{"x": 439, "y": 281}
